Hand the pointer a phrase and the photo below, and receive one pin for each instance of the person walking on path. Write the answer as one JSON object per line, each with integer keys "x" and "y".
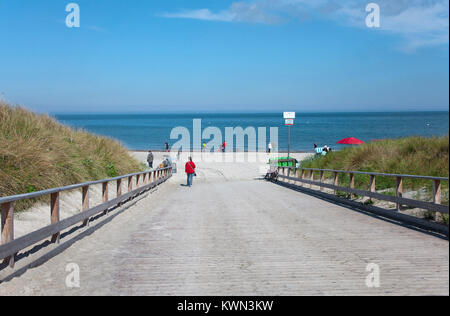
{"x": 224, "y": 146}
{"x": 190, "y": 171}
{"x": 150, "y": 159}
{"x": 204, "y": 147}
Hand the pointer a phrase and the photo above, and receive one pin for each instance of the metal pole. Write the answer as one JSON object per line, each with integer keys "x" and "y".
{"x": 289, "y": 141}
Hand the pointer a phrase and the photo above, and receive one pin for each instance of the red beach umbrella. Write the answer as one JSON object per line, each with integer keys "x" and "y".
{"x": 350, "y": 141}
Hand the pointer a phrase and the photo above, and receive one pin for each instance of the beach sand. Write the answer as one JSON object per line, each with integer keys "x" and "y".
{"x": 230, "y": 166}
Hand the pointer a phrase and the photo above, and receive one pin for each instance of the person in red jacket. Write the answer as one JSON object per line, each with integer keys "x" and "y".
{"x": 190, "y": 171}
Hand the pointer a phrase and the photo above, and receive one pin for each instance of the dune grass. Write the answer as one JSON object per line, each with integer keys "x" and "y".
{"x": 411, "y": 155}
{"x": 37, "y": 153}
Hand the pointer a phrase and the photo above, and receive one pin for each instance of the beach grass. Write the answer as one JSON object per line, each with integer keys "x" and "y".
{"x": 37, "y": 153}
{"x": 410, "y": 155}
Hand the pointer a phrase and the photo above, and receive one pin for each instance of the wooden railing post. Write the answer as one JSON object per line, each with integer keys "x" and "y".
{"x": 105, "y": 196}
{"x": 85, "y": 202}
{"x": 7, "y": 223}
{"x": 54, "y": 214}
{"x": 311, "y": 178}
{"x": 399, "y": 191}
{"x": 296, "y": 175}
{"x": 119, "y": 188}
{"x": 130, "y": 184}
{"x": 437, "y": 198}
{"x": 322, "y": 179}
{"x": 372, "y": 184}
{"x": 352, "y": 184}
{"x": 302, "y": 176}
{"x": 137, "y": 180}
{"x": 336, "y": 181}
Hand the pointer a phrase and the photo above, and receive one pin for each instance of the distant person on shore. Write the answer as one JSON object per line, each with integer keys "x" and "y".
{"x": 167, "y": 146}
{"x": 204, "y": 147}
{"x": 190, "y": 171}
{"x": 179, "y": 154}
{"x": 224, "y": 146}
{"x": 318, "y": 150}
{"x": 150, "y": 159}
{"x": 269, "y": 148}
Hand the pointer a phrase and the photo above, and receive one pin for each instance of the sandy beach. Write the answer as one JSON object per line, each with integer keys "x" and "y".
{"x": 231, "y": 166}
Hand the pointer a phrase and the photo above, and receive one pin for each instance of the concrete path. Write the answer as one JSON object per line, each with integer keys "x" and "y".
{"x": 242, "y": 236}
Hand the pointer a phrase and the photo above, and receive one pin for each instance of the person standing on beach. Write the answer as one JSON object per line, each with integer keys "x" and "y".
{"x": 269, "y": 147}
{"x": 150, "y": 159}
{"x": 167, "y": 146}
{"x": 190, "y": 171}
{"x": 204, "y": 147}
{"x": 224, "y": 146}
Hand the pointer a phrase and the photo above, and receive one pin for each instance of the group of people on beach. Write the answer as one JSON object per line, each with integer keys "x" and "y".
{"x": 189, "y": 168}
{"x": 222, "y": 148}
{"x": 321, "y": 151}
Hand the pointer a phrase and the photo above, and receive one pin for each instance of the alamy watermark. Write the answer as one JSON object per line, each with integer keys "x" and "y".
{"x": 373, "y": 18}
{"x": 73, "y": 278}
{"x": 373, "y": 278}
{"x": 73, "y": 18}
{"x": 251, "y": 140}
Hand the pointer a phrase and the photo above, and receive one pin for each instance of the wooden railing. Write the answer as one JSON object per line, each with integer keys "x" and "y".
{"x": 305, "y": 176}
{"x": 10, "y": 247}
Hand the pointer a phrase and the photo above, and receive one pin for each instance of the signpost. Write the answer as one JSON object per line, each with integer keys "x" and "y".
{"x": 289, "y": 121}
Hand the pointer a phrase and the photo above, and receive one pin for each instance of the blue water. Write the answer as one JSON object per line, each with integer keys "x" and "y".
{"x": 151, "y": 131}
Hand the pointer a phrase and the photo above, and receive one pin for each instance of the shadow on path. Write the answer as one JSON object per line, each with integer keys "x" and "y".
{"x": 403, "y": 220}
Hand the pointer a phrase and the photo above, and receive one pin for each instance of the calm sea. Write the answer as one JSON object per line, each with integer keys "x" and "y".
{"x": 151, "y": 131}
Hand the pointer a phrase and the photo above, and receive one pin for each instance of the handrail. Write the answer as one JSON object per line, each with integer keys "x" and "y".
{"x": 9, "y": 246}
{"x": 380, "y": 174}
{"x": 13, "y": 198}
{"x": 301, "y": 177}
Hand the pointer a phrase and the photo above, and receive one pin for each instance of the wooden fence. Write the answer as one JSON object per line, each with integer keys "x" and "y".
{"x": 305, "y": 176}
{"x": 10, "y": 247}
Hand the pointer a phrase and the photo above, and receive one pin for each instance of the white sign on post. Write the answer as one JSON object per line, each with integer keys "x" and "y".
{"x": 289, "y": 115}
{"x": 289, "y": 122}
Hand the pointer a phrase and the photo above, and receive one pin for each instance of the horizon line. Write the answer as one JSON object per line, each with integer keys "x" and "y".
{"x": 238, "y": 112}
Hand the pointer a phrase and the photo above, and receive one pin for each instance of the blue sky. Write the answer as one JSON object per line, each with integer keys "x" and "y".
{"x": 256, "y": 55}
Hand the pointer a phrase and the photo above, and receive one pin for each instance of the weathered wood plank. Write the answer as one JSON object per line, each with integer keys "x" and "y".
{"x": 16, "y": 245}
{"x": 437, "y": 197}
{"x": 18, "y": 197}
{"x": 404, "y": 201}
{"x": 7, "y": 225}
{"x": 399, "y": 191}
{"x": 85, "y": 202}
{"x": 54, "y": 214}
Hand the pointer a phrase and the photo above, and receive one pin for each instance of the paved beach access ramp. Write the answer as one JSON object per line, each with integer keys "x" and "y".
{"x": 233, "y": 233}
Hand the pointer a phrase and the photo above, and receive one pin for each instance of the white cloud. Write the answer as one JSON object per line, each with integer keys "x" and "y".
{"x": 237, "y": 12}
{"x": 419, "y": 22}
{"x": 202, "y": 14}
